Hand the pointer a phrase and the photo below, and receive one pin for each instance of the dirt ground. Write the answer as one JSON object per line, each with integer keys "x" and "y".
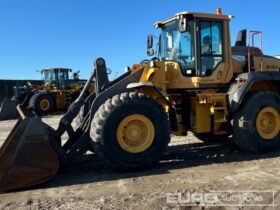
{"x": 189, "y": 171}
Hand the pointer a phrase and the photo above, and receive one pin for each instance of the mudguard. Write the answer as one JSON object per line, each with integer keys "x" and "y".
{"x": 237, "y": 92}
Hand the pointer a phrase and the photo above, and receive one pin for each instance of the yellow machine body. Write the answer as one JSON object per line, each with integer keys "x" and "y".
{"x": 204, "y": 94}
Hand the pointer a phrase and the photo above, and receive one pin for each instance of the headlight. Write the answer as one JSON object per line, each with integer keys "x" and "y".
{"x": 152, "y": 64}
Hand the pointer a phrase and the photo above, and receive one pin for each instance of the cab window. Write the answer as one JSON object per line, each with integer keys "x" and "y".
{"x": 180, "y": 47}
{"x": 211, "y": 42}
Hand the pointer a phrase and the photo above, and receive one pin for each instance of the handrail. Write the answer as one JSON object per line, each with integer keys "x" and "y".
{"x": 253, "y": 34}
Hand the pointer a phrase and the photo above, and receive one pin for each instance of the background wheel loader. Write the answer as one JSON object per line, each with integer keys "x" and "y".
{"x": 57, "y": 93}
{"x": 195, "y": 82}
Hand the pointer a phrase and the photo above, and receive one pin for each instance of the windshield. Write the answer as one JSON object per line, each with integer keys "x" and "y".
{"x": 59, "y": 78}
{"x": 49, "y": 76}
{"x": 53, "y": 75}
{"x": 177, "y": 46}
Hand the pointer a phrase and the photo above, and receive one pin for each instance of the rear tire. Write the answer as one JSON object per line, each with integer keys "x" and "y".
{"x": 42, "y": 103}
{"x": 256, "y": 125}
{"x": 130, "y": 130}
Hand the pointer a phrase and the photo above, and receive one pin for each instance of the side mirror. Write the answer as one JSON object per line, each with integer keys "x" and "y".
{"x": 150, "y": 41}
{"x": 183, "y": 25}
{"x": 150, "y": 52}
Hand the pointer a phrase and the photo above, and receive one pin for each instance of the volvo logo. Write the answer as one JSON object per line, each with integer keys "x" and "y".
{"x": 219, "y": 75}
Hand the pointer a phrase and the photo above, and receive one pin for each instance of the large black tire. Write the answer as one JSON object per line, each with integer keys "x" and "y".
{"x": 105, "y": 126}
{"x": 245, "y": 131}
{"x": 36, "y": 103}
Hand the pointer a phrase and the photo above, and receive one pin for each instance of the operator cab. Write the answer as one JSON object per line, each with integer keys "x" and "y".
{"x": 58, "y": 77}
{"x": 195, "y": 41}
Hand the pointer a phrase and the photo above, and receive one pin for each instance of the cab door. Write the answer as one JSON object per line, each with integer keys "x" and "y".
{"x": 210, "y": 46}
{"x": 212, "y": 52}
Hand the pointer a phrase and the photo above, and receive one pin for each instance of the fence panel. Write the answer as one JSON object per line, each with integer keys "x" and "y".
{"x": 7, "y": 86}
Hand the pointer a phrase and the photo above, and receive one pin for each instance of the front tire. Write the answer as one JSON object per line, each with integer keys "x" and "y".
{"x": 256, "y": 125}
{"x": 42, "y": 103}
{"x": 130, "y": 130}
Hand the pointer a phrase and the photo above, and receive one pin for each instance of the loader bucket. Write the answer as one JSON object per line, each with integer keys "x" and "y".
{"x": 8, "y": 110}
{"x": 27, "y": 157}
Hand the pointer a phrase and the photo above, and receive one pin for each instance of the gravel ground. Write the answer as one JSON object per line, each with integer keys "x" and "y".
{"x": 188, "y": 170}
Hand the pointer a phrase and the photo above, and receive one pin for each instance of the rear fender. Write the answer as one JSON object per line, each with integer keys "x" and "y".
{"x": 252, "y": 81}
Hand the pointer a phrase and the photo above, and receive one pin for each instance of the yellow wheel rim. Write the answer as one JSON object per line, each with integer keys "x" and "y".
{"x": 44, "y": 104}
{"x": 135, "y": 133}
{"x": 268, "y": 123}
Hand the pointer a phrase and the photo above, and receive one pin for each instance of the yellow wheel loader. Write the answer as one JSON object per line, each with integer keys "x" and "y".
{"x": 57, "y": 93}
{"x": 196, "y": 82}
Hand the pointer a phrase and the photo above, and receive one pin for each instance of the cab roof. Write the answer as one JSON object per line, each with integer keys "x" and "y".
{"x": 195, "y": 15}
{"x": 57, "y": 69}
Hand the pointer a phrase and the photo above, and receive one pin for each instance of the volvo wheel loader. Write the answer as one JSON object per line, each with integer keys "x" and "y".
{"x": 56, "y": 93}
{"x": 195, "y": 82}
